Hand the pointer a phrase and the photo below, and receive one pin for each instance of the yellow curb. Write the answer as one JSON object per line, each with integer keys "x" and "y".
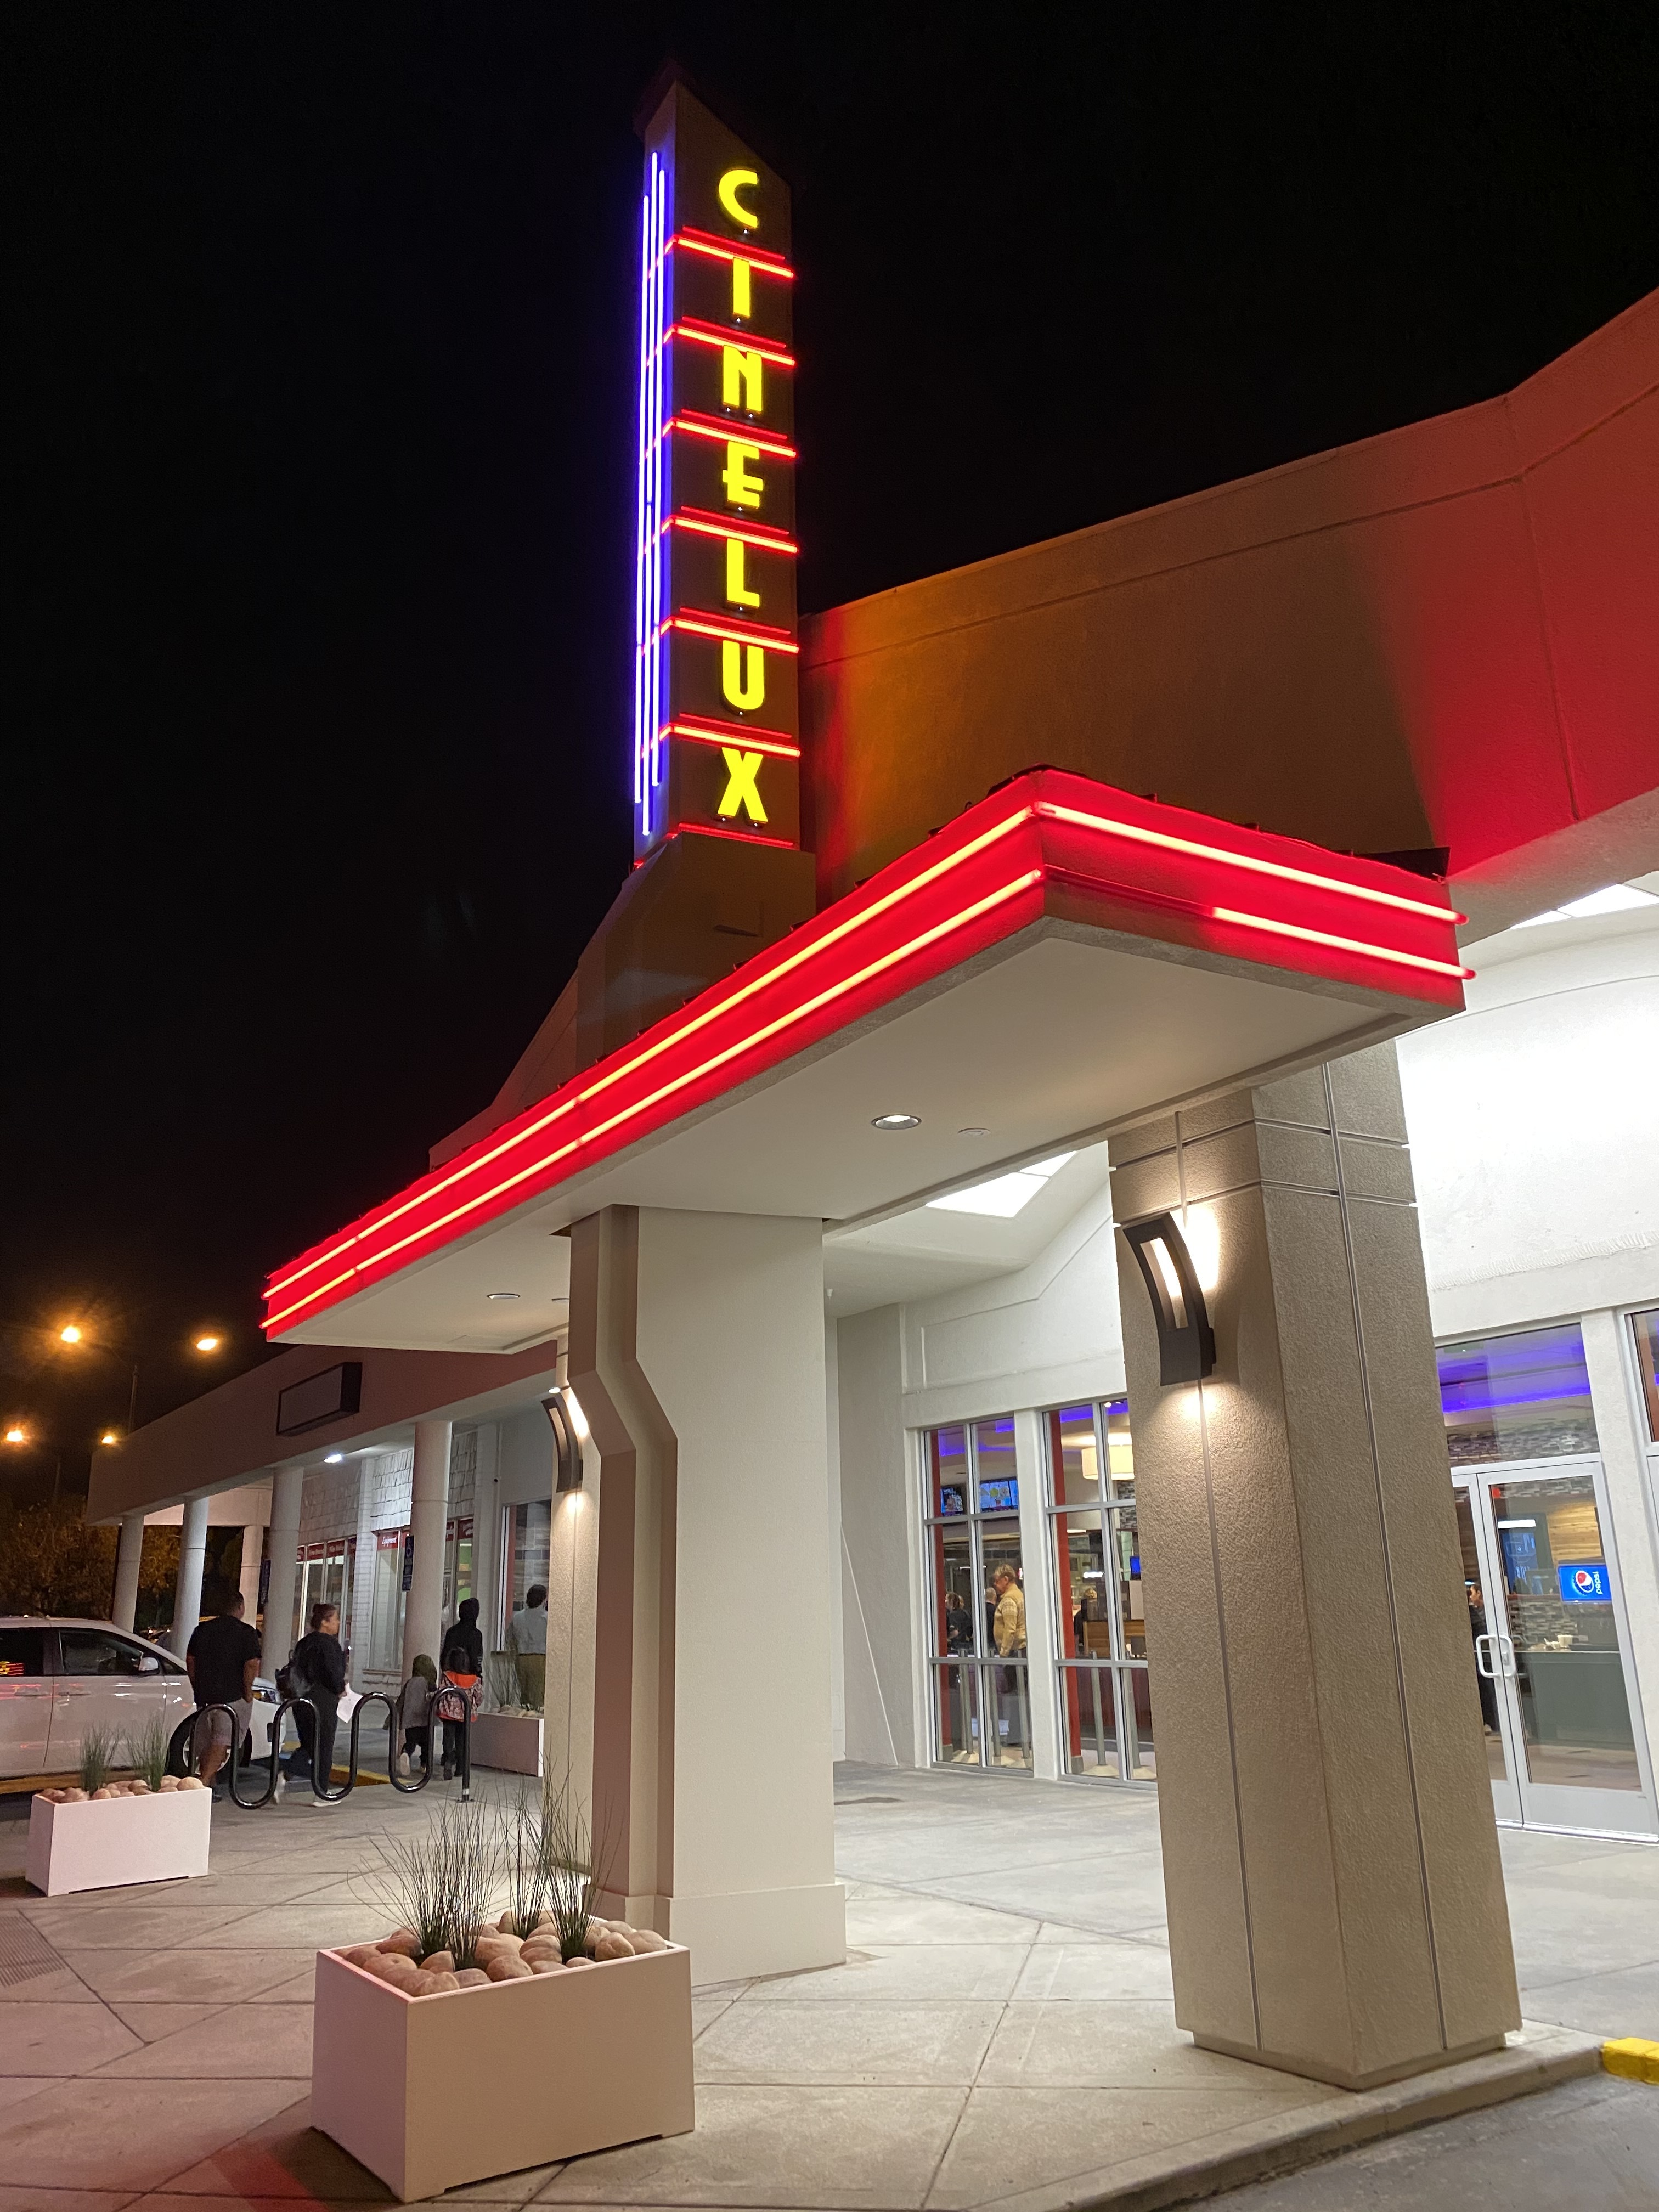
{"x": 1637, "y": 2059}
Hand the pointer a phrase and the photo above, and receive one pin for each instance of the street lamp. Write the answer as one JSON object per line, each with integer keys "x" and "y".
{"x": 75, "y": 1336}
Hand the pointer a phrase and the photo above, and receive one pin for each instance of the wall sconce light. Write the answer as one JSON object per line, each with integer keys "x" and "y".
{"x": 559, "y": 1407}
{"x": 1186, "y": 1342}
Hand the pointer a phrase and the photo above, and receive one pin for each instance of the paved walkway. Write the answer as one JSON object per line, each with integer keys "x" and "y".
{"x": 1003, "y": 2027}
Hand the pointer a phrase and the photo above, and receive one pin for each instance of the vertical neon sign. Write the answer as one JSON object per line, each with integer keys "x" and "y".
{"x": 716, "y": 718}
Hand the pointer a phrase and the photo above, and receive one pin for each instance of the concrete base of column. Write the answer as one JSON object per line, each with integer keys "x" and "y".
{"x": 1378, "y": 2078}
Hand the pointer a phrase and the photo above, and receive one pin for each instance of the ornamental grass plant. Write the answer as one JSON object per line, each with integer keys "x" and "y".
{"x": 147, "y": 1752}
{"x": 97, "y": 1757}
{"x": 440, "y": 1885}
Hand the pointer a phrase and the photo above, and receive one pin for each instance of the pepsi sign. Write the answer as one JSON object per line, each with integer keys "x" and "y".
{"x": 1584, "y": 1583}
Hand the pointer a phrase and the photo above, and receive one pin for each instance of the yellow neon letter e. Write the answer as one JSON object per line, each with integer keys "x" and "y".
{"x": 741, "y": 488}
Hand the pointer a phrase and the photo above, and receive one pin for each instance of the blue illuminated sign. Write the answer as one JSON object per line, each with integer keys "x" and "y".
{"x": 1584, "y": 1583}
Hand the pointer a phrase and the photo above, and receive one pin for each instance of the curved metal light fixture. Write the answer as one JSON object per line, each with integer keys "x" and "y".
{"x": 567, "y": 1444}
{"x": 1186, "y": 1342}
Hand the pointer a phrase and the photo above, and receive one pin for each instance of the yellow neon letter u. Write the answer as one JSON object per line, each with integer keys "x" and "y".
{"x": 743, "y": 675}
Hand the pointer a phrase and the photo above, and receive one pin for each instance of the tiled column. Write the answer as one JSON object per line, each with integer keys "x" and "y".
{"x": 428, "y": 1510}
{"x": 1037, "y": 1553}
{"x": 254, "y": 1545}
{"x": 192, "y": 1555}
{"x": 1335, "y": 1900}
{"x": 129, "y": 1558}
{"x": 286, "y": 1496}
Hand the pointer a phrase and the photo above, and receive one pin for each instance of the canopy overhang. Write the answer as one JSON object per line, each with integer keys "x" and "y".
{"x": 1063, "y": 959}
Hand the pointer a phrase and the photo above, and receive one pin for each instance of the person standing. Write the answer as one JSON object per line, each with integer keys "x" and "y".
{"x": 526, "y": 1635}
{"x": 466, "y": 1631}
{"x": 317, "y": 1672}
{"x": 1008, "y": 1634}
{"x": 222, "y": 1662}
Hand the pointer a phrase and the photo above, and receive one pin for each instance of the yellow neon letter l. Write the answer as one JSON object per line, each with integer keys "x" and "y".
{"x": 741, "y": 488}
{"x": 738, "y": 594}
{"x": 741, "y": 769}
{"x": 730, "y": 184}
{"x": 743, "y": 675}
{"x": 740, "y": 378}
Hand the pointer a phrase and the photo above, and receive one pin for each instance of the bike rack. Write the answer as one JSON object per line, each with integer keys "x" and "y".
{"x": 326, "y": 1795}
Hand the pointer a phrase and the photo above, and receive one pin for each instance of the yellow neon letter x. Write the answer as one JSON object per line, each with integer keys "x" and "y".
{"x": 730, "y": 184}
{"x": 741, "y": 769}
{"x": 743, "y": 675}
{"x": 741, "y": 488}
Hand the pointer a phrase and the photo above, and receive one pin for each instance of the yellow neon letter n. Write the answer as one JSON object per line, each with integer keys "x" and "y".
{"x": 741, "y": 769}
{"x": 743, "y": 675}
{"x": 741, "y": 488}
{"x": 740, "y": 378}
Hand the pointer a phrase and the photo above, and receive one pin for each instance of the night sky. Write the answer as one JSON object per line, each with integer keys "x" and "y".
{"x": 319, "y": 326}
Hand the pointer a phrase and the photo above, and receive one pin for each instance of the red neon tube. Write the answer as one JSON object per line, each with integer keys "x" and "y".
{"x": 763, "y": 262}
{"x": 728, "y": 733}
{"x": 742, "y": 434}
{"x": 740, "y": 633}
{"x": 713, "y": 334}
{"x": 757, "y": 534}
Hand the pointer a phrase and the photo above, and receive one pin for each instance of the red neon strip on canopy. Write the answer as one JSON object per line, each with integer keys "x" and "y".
{"x": 1074, "y": 850}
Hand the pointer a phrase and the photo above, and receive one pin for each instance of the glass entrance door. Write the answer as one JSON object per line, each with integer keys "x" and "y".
{"x": 1551, "y": 1650}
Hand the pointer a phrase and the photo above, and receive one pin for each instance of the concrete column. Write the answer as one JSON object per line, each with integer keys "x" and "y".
{"x": 287, "y": 1497}
{"x": 128, "y": 1559}
{"x": 1037, "y": 1547}
{"x": 253, "y": 1545}
{"x": 428, "y": 1508}
{"x": 1335, "y": 1900}
{"x": 192, "y": 1555}
{"x": 356, "y": 1629}
{"x": 697, "y": 1351}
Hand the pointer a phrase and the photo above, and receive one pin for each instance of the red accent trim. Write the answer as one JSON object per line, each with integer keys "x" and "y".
{"x": 738, "y": 836}
{"x": 716, "y": 334}
{"x": 703, "y": 624}
{"x": 717, "y": 525}
{"x": 733, "y": 734}
{"x": 763, "y": 264}
{"x": 1049, "y": 841}
{"x": 742, "y": 434}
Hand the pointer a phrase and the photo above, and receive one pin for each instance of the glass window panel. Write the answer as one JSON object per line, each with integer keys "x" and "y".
{"x": 1081, "y": 1587}
{"x": 947, "y": 1493}
{"x": 1135, "y": 1694}
{"x": 1119, "y": 1457}
{"x": 1558, "y": 1599}
{"x": 22, "y": 1651}
{"x": 532, "y": 1531}
{"x": 1088, "y": 1719}
{"x": 1007, "y": 1705}
{"x": 1004, "y": 1596}
{"x": 956, "y": 1693}
{"x": 954, "y": 1607}
{"x": 1645, "y": 1328}
{"x": 994, "y": 1447}
{"x": 1525, "y": 1397}
{"x": 1073, "y": 1457}
{"x": 1126, "y": 1547}
{"x": 85, "y": 1652}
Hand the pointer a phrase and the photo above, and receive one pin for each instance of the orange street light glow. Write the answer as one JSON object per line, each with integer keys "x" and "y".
{"x": 207, "y": 1344}
{"x": 15, "y": 1436}
{"x": 109, "y": 1436}
{"x": 71, "y": 1335}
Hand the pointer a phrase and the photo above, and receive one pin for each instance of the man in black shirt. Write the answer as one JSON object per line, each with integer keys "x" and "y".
{"x": 317, "y": 1671}
{"x": 221, "y": 1660}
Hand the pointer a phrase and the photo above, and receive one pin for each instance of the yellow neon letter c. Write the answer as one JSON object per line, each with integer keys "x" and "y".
{"x": 730, "y": 184}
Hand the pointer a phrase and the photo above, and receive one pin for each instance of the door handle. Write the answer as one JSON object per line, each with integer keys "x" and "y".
{"x": 64, "y": 1690}
{"x": 1507, "y": 1657}
{"x": 1483, "y": 1659}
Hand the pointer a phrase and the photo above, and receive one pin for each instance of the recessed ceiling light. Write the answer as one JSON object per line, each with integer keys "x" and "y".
{"x": 973, "y": 1133}
{"x": 500, "y": 1295}
{"x": 897, "y": 1121}
{"x": 332, "y": 1459}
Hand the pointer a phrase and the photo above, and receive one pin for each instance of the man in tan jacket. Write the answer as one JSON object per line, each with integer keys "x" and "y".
{"x": 1008, "y": 1622}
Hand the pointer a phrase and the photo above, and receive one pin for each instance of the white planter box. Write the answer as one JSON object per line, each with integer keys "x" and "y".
{"x": 431, "y": 2094}
{"x": 106, "y": 1844}
{"x": 509, "y": 1741}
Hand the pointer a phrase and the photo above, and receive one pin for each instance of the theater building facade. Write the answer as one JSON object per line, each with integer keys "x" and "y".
{"x": 984, "y": 1266}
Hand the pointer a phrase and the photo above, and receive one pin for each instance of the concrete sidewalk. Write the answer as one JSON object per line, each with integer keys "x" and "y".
{"x": 1001, "y": 2034}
